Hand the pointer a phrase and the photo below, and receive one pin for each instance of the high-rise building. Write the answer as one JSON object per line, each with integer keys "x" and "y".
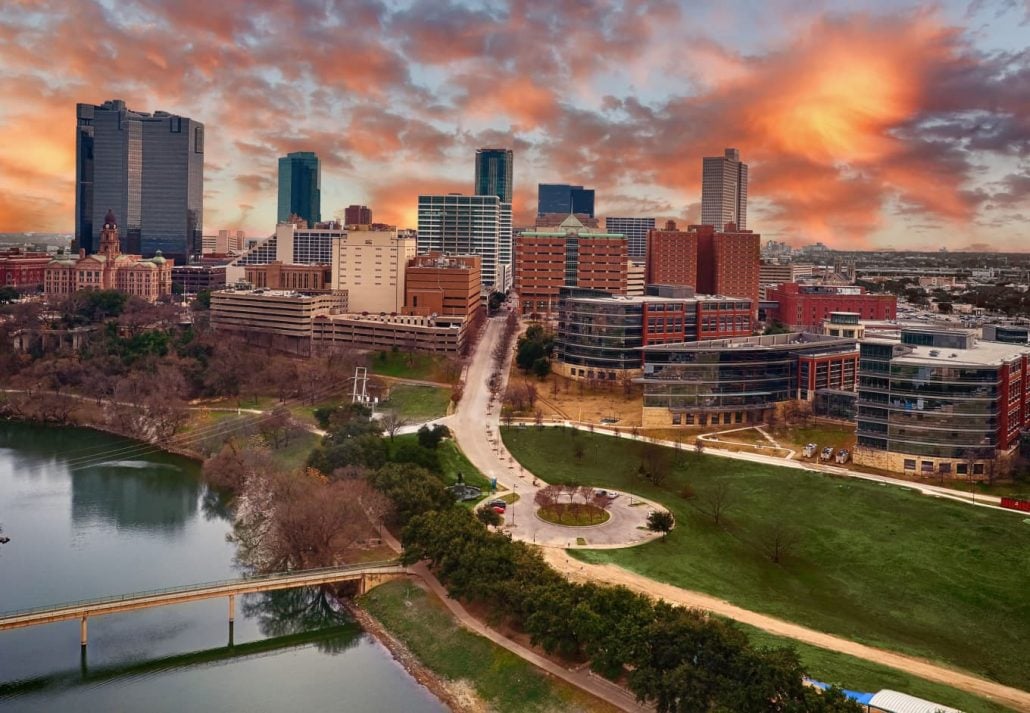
{"x": 369, "y": 265}
{"x": 635, "y": 230}
{"x": 570, "y": 255}
{"x": 148, "y": 168}
{"x": 300, "y": 187}
{"x": 357, "y": 215}
{"x": 713, "y": 262}
{"x": 455, "y": 224}
{"x": 494, "y": 173}
{"x": 564, "y": 198}
{"x": 724, "y": 190}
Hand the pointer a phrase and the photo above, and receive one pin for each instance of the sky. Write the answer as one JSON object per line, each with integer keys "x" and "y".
{"x": 865, "y": 124}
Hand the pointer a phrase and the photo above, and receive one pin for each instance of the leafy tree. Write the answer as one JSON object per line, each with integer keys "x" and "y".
{"x": 776, "y": 327}
{"x": 416, "y": 455}
{"x": 431, "y": 437}
{"x": 489, "y": 517}
{"x": 542, "y": 367}
{"x": 202, "y": 300}
{"x": 412, "y": 489}
{"x": 8, "y": 294}
{"x": 365, "y": 450}
{"x": 660, "y": 521}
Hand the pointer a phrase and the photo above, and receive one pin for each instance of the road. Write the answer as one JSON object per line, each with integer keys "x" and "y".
{"x": 475, "y": 426}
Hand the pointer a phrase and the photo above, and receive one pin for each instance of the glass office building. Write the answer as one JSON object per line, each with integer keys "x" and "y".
{"x": 148, "y": 168}
{"x": 494, "y": 173}
{"x": 300, "y": 187}
{"x": 564, "y": 198}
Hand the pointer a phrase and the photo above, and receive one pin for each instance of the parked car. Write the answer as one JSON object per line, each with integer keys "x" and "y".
{"x": 827, "y": 453}
{"x": 602, "y": 493}
{"x": 810, "y": 450}
{"x": 497, "y": 504}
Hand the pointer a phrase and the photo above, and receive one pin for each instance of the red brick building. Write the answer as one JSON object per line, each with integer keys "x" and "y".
{"x": 806, "y": 306}
{"x": 712, "y": 262}
{"x": 22, "y": 270}
{"x": 435, "y": 284}
{"x": 569, "y": 255}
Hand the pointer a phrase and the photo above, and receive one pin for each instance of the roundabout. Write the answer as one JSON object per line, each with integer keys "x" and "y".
{"x": 578, "y": 515}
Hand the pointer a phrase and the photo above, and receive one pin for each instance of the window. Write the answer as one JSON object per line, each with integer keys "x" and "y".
{"x": 910, "y": 464}
{"x": 676, "y": 419}
{"x": 962, "y": 469}
{"x": 945, "y": 467}
{"x": 978, "y": 468}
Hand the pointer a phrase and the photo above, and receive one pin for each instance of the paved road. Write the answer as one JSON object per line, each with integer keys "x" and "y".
{"x": 574, "y": 569}
{"x": 475, "y": 427}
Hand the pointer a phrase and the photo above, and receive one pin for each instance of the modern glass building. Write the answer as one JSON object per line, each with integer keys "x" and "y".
{"x": 455, "y": 224}
{"x": 494, "y": 173}
{"x": 300, "y": 187}
{"x": 564, "y": 198}
{"x": 729, "y": 381}
{"x": 148, "y": 168}
{"x": 939, "y": 402}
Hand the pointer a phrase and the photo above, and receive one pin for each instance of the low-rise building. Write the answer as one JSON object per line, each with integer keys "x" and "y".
{"x": 1007, "y": 333}
{"x": 742, "y": 380}
{"x": 191, "y": 279}
{"x": 774, "y": 272}
{"x": 600, "y": 335}
{"x": 277, "y": 318}
{"x": 940, "y": 403}
{"x": 807, "y": 306}
{"x": 23, "y": 270}
{"x": 446, "y": 335}
{"x": 440, "y": 285}
{"x": 280, "y": 276}
{"x": 844, "y": 324}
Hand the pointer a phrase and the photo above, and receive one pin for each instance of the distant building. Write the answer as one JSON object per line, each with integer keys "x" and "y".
{"x": 109, "y": 269}
{"x": 1007, "y": 333}
{"x": 635, "y": 280}
{"x": 295, "y": 244}
{"x": 844, "y": 324}
{"x": 569, "y": 255}
{"x": 740, "y": 381}
{"x": 564, "y": 198}
{"x": 807, "y": 306}
{"x": 635, "y": 230}
{"x": 714, "y": 262}
{"x": 600, "y": 335}
{"x": 553, "y": 220}
{"x": 357, "y": 215}
{"x": 191, "y": 279}
{"x": 724, "y": 190}
{"x": 146, "y": 168}
{"x": 937, "y": 403}
{"x": 494, "y": 173}
{"x": 300, "y": 278}
{"x": 226, "y": 241}
{"x": 300, "y": 187}
{"x": 369, "y": 265}
{"x": 23, "y": 270}
{"x": 455, "y": 224}
{"x": 440, "y": 285}
{"x": 771, "y": 274}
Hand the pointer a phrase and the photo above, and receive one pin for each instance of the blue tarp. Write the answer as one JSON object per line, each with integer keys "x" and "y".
{"x": 857, "y": 696}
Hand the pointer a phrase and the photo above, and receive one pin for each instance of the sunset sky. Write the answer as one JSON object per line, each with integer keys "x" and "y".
{"x": 865, "y": 125}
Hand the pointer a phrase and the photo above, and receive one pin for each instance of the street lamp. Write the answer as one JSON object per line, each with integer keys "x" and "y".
{"x": 515, "y": 491}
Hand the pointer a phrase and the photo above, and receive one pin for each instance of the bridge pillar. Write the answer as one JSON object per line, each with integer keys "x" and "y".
{"x": 82, "y": 632}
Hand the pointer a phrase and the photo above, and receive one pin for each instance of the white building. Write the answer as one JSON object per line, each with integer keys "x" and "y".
{"x": 456, "y": 224}
{"x": 724, "y": 190}
{"x": 635, "y": 230}
{"x": 369, "y": 265}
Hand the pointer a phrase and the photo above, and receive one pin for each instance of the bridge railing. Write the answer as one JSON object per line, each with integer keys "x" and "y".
{"x": 245, "y": 579}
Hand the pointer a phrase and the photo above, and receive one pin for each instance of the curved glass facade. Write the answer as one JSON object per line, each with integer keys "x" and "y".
{"x": 718, "y": 379}
{"x": 599, "y": 334}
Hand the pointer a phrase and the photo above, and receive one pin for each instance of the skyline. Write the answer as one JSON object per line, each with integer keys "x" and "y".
{"x": 878, "y": 128}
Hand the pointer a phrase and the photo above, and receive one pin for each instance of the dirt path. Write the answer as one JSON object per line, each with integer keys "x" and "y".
{"x": 611, "y": 574}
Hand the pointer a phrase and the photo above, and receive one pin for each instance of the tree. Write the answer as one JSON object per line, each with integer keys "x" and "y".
{"x": 655, "y": 463}
{"x": 202, "y": 301}
{"x": 489, "y": 517}
{"x": 541, "y": 367}
{"x": 413, "y": 490}
{"x": 8, "y": 294}
{"x": 717, "y": 500}
{"x": 660, "y": 521}
{"x": 392, "y": 423}
{"x": 779, "y": 540}
{"x": 431, "y": 437}
{"x": 776, "y": 327}
{"x": 578, "y": 449}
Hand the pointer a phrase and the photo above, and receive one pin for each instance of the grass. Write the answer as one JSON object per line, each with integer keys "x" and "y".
{"x": 418, "y": 403}
{"x": 860, "y": 675}
{"x": 821, "y": 435}
{"x": 499, "y": 677}
{"x": 295, "y": 455}
{"x": 452, "y": 462}
{"x": 405, "y": 365}
{"x": 561, "y": 514}
{"x": 877, "y": 564}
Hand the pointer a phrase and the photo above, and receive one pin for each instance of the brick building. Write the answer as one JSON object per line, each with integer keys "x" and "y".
{"x": 570, "y": 255}
{"x": 22, "y": 270}
{"x": 807, "y": 306}
{"x": 280, "y": 276}
{"x": 712, "y": 262}
{"x": 435, "y": 284}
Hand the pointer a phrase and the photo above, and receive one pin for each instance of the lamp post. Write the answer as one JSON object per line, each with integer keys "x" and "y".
{"x": 515, "y": 491}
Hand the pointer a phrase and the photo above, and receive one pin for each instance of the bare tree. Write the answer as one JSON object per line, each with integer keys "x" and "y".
{"x": 392, "y": 423}
{"x": 717, "y": 500}
{"x": 779, "y": 540}
{"x": 655, "y": 463}
{"x": 538, "y": 418}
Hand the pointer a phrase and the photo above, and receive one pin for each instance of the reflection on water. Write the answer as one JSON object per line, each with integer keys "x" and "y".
{"x": 143, "y": 522}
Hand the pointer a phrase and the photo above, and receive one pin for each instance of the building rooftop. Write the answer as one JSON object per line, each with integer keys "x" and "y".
{"x": 766, "y": 342}
{"x": 654, "y": 299}
{"x": 982, "y": 353}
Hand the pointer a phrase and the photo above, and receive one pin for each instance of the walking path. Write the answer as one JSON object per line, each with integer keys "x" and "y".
{"x": 611, "y": 574}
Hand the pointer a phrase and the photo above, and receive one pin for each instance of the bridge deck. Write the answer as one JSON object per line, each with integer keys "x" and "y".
{"x": 194, "y": 592}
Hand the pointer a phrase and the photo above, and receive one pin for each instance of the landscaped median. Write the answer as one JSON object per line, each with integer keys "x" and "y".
{"x": 873, "y": 563}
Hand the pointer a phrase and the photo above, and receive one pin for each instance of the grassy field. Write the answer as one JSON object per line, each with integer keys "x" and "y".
{"x": 821, "y": 435}
{"x": 873, "y": 563}
{"x": 418, "y": 403}
{"x": 859, "y": 675}
{"x": 295, "y": 455}
{"x": 499, "y": 677}
{"x": 404, "y": 365}
{"x": 452, "y": 462}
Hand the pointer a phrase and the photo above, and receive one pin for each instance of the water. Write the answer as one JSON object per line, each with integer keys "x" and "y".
{"x": 91, "y": 515}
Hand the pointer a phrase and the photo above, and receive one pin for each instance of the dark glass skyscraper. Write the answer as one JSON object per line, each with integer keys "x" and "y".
{"x": 494, "y": 173}
{"x": 563, "y": 198}
{"x": 148, "y": 168}
{"x": 300, "y": 187}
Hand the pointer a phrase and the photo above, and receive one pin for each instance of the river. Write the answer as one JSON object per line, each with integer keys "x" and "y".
{"x": 92, "y": 515}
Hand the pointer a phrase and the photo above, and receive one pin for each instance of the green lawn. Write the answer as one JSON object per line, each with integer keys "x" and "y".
{"x": 452, "y": 462}
{"x": 860, "y": 675}
{"x": 418, "y": 403}
{"x": 502, "y": 679}
{"x": 821, "y": 435}
{"x": 873, "y": 563}
{"x": 408, "y": 365}
{"x": 295, "y": 455}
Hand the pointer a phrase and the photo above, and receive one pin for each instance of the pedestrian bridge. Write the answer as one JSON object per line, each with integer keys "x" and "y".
{"x": 367, "y": 575}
